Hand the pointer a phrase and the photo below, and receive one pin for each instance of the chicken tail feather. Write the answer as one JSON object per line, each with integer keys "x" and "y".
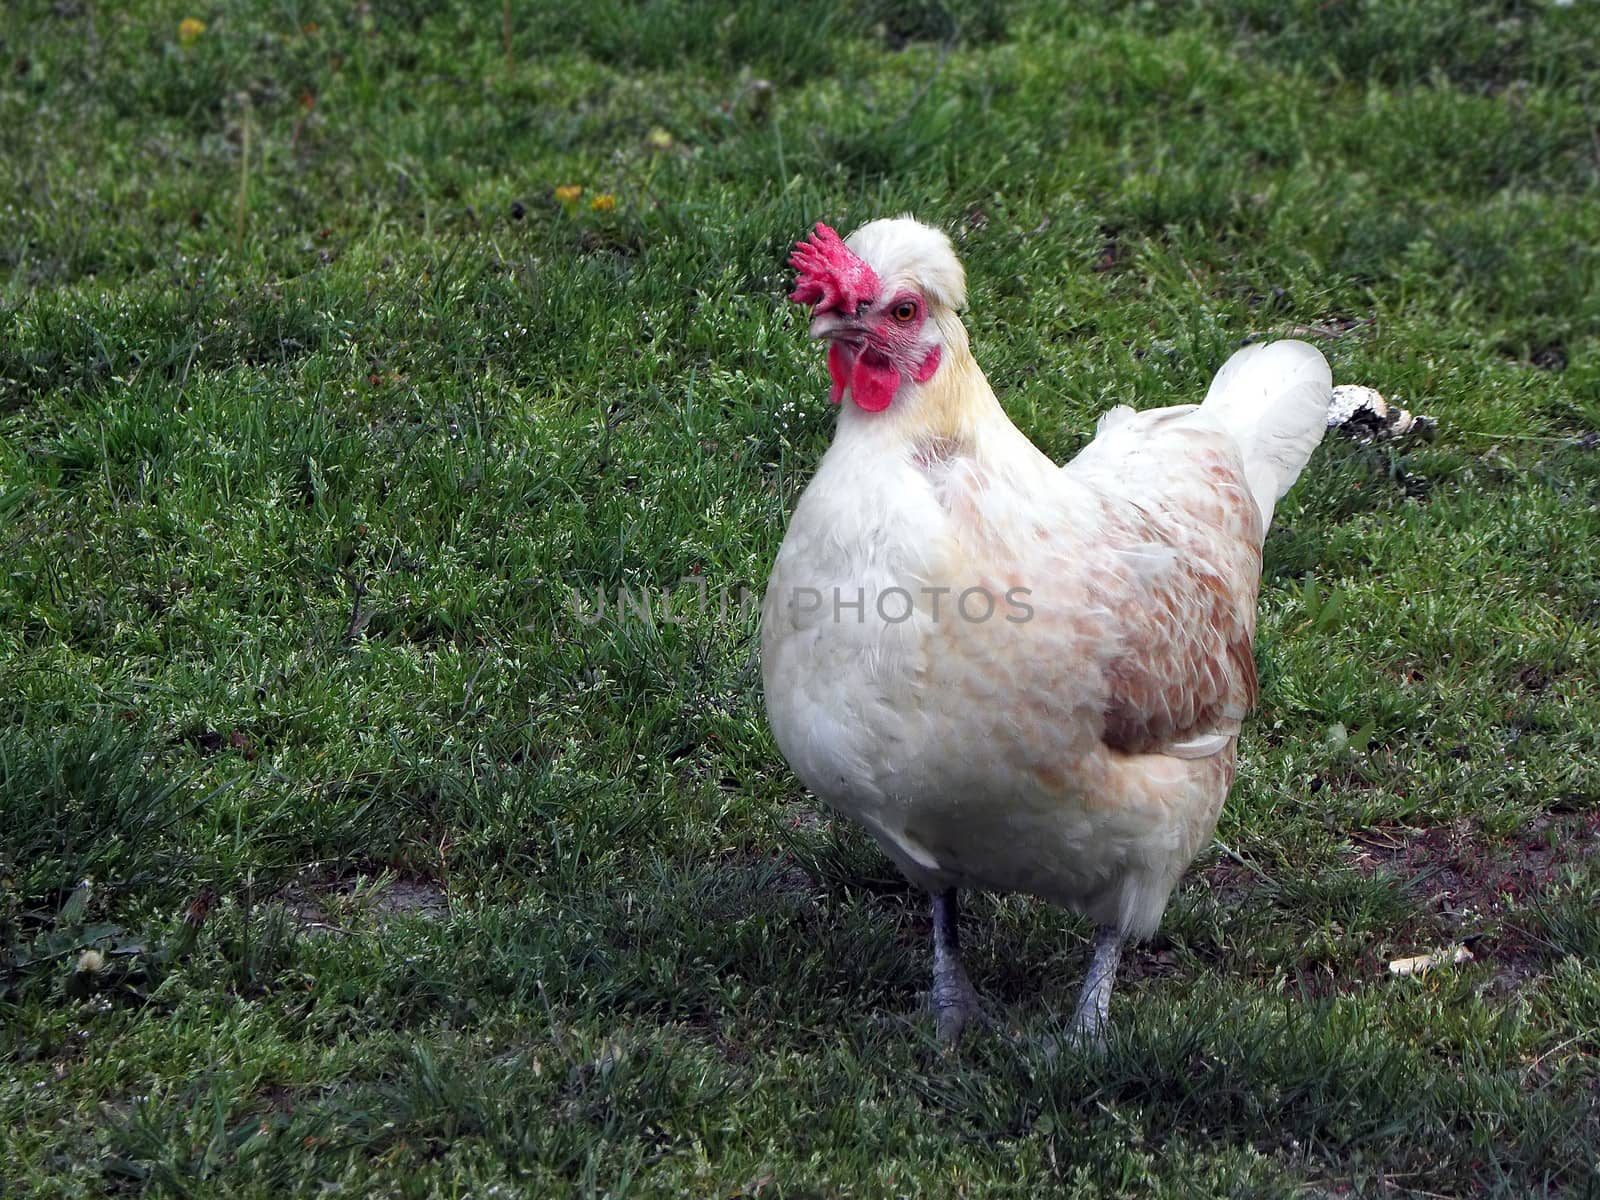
{"x": 1273, "y": 398}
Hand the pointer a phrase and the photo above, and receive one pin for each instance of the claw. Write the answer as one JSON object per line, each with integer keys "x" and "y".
{"x": 1088, "y": 1033}
{"x": 956, "y": 1006}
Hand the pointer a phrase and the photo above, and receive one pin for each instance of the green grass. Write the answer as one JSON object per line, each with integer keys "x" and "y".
{"x": 316, "y": 406}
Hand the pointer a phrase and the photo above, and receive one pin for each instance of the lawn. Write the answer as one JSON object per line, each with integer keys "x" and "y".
{"x": 344, "y": 852}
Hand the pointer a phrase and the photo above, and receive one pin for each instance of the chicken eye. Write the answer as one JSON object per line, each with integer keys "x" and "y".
{"x": 904, "y": 311}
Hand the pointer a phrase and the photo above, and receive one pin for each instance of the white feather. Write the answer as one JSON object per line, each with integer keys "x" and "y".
{"x": 1273, "y": 398}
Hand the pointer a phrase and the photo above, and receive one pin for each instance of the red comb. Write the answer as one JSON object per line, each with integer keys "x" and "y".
{"x": 831, "y": 277}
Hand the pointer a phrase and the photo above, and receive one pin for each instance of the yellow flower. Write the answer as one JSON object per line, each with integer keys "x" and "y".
{"x": 569, "y": 194}
{"x": 604, "y": 202}
{"x": 660, "y": 138}
{"x": 189, "y": 29}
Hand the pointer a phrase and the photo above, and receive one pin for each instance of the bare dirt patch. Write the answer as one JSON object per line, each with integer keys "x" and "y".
{"x": 345, "y": 905}
{"x": 1472, "y": 882}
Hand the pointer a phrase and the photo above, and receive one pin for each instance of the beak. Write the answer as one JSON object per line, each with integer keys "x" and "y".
{"x": 836, "y": 327}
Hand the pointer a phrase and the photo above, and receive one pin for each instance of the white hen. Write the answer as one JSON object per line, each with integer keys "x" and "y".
{"x": 1015, "y": 675}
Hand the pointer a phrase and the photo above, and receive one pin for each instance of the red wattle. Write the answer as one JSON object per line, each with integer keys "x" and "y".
{"x": 838, "y": 371}
{"x": 873, "y": 381}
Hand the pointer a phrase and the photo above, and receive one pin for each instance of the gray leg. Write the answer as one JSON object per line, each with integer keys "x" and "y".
{"x": 1089, "y": 1023}
{"x": 955, "y": 1003}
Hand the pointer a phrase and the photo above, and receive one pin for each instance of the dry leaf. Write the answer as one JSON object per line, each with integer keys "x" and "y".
{"x": 1423, "y": 963}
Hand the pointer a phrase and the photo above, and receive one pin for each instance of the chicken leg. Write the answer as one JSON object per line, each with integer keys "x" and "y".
{"x": 954, "y": 1000}
{"x": 1090, "y": 1021}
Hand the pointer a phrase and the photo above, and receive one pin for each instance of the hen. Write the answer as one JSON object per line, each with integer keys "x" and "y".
{"x": 1016, "y": 675}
